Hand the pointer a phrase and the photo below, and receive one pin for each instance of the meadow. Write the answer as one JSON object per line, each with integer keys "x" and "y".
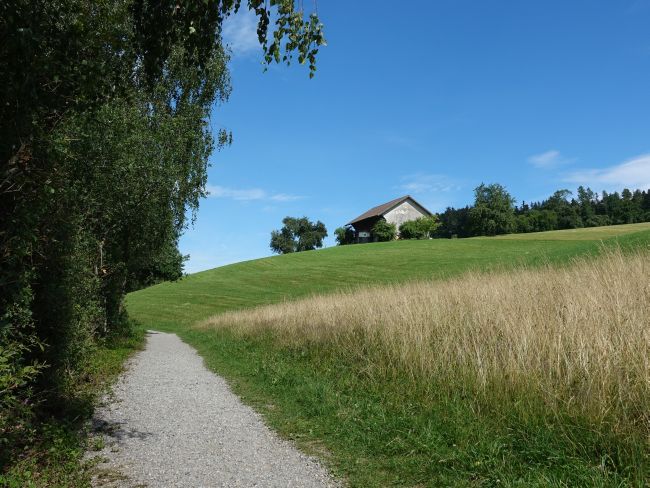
{"x": 513, "y": 361}
{"x": 287, "y": 277}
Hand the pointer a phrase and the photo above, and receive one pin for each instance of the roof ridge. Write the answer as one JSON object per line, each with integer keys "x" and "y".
{"x": 381, "y": 209}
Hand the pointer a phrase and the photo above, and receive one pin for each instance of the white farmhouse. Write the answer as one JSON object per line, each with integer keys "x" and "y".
{"x": 396, "y": 212}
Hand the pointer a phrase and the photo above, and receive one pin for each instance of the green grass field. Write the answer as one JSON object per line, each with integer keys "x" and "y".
{"x": 274, "y": 279}
{"x": 384, "y": 430}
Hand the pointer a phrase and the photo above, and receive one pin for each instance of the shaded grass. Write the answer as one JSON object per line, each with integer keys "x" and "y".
{"x": 53, "y": 447}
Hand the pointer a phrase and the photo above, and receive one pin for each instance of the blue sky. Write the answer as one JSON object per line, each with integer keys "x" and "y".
{"x": 429, "y": 99}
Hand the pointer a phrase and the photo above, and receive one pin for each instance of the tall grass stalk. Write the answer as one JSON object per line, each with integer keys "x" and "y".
{"x": 570, "y": 341}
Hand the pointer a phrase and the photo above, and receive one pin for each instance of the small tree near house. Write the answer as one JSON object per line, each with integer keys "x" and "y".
{"x": 384, "y": 231}
{"x": 344, "y": 235}
{"x": 422, "y": 228}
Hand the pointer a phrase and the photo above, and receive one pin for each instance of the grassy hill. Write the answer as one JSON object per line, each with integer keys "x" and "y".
{"x": 279, "y": 278}
{"x": 532, "y": 377}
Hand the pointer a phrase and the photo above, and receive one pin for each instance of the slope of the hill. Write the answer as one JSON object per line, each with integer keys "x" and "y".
{"x": 275, "y": 279}
{"x": 354, "y": 400}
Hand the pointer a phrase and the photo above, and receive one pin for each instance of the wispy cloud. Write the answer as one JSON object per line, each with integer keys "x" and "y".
{"x": 248, "y": 194}
{"x": 240, "y": 32}
{"x": 549, "y": 159}
{"x": 284, "y": 197}
{"x": 419, "y": 183}
{"x": 633, "y": 174}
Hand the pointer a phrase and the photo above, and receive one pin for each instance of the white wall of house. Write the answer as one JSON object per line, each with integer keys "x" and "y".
{"x": 403, "y": 212}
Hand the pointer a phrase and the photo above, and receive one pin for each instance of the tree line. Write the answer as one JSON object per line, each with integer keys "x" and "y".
{"x": 104, "y": 143}
{"x": 494, "y": 212}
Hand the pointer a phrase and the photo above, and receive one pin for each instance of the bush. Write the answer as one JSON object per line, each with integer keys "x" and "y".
{"x": 421, "y": 228}
{"x": 344, "y": 235}
{"x": 384, "y": 231}
{"x": 410, "y": 230}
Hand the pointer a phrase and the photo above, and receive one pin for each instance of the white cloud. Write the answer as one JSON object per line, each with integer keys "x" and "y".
{"x": 549, "y": 159}
{"x": 240, "y": 32}
{"x": 632, "y": 174}
{"x": 248, "y": 194}
{"x": 428, "y": 183}
{"x": 284, "y": 197}
{"x": 217, "y": 191}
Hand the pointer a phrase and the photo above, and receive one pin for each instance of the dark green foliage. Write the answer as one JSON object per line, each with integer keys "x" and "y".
{"x": 298, "y": 234}
{"x": 454, "y": 222}
{"x": 104, "y": 142}
{"x": 493, "y": 212}
{"x": 384, "y": 231}
{"x": 344, "y": 235}
{"x": 167, "y": 266}
{"x": 53, "y": 448}
{"x": 536, "y": 221}
{"x": 422, "y": 228}
{"x": 410, "y": 230}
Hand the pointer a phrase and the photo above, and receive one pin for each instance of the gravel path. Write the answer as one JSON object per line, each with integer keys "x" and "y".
{"x": 173, "y": 423}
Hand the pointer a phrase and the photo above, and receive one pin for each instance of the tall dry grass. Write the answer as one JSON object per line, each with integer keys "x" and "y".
{"x": 572, "y": 340}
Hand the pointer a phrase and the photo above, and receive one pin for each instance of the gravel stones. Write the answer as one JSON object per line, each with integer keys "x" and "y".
{"x": 172, "y": 423}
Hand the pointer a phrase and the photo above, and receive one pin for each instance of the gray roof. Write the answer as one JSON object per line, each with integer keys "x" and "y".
{"x": 384, "y": 208}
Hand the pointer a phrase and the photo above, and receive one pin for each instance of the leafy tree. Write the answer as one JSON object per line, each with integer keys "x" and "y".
{"x": 344, "y": 235}
{"x": 559, "y": 211}
{"x": 167, "y": 265}
{"x": 297, "y": 235}
{"x": 535, "y": 219}
{"x": 587, "y": 200}
{"x": 104, "y": 141}
{"x": 428, "y": 225}
{"x": 421, "y": 228}
{"x": 384, "y": 231}
{"x": 493, "y": 212}
{"x": 568, "y": 214}
{"x": 410, "y": 230}
{"x": 454, "y": 222}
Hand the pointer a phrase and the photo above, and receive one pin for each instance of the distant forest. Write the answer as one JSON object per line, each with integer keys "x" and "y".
{"x": 494, "y": 212}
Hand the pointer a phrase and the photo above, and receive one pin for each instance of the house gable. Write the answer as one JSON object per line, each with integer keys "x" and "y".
{"x": 407, "y": 210}
{"x": 396, "y": 212}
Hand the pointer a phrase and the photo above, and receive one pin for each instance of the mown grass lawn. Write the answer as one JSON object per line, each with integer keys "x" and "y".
{"x": 387, "y": 431}
{"x": 278, "y": 278}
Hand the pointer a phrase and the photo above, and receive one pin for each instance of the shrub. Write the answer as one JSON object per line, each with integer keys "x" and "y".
{"x": 428, "y": 225}
{"x": 344, "y": 235}
{"x": 384, "y": 231}
{"x": 422, "y": 228}
{"x": 410, "y": 230}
